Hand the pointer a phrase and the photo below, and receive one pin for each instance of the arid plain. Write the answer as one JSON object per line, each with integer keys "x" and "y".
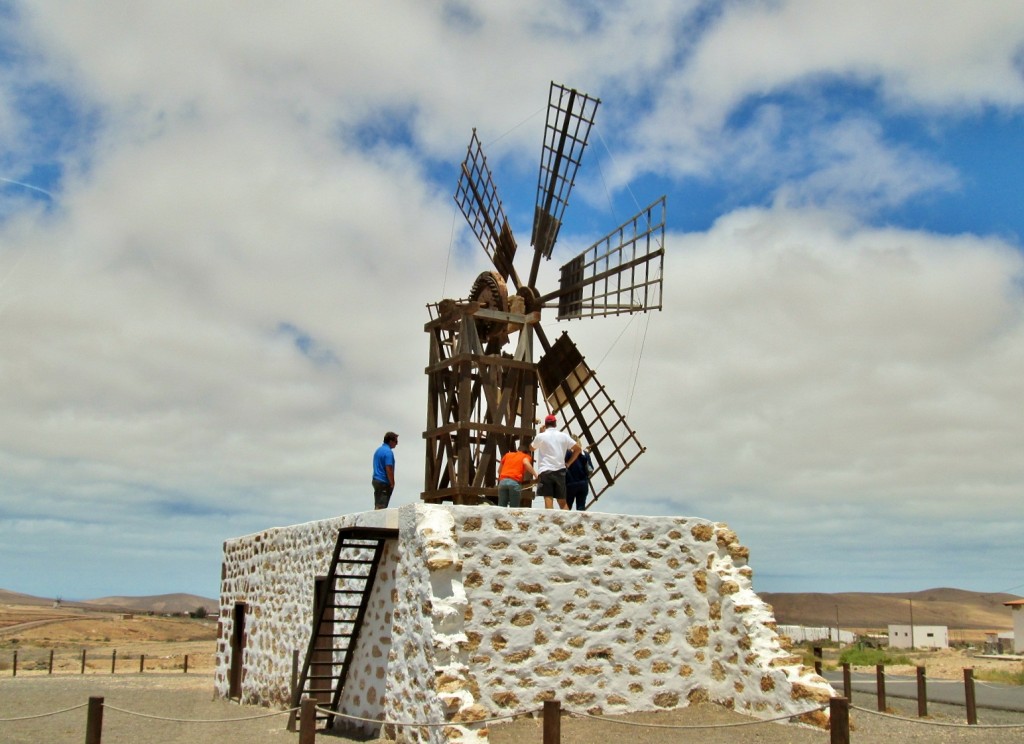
{"x": 159, "y": 642}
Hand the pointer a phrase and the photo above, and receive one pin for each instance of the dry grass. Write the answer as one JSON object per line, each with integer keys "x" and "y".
{"x": 33, "y": 632}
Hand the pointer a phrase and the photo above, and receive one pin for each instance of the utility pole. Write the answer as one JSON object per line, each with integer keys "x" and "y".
{"x": 911, "y": 623}
{"x": 839, "y": 639}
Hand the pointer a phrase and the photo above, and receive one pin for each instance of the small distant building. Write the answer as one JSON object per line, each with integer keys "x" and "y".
{"x": 918, "y": 636}
{"x": 1017, "y": 609}
{"x": 804, "y": 634}
{"x": 999, "y": 643}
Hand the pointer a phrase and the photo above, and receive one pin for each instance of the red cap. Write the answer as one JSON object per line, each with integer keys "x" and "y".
{"x": 549, "y": 420}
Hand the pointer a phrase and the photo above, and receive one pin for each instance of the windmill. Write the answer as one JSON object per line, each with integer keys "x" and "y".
{"x": 482, "y": 398}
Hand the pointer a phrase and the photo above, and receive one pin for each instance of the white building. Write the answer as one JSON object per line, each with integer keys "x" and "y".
{"x": 1017, "y": 608}
{"x": 918, "y": 636}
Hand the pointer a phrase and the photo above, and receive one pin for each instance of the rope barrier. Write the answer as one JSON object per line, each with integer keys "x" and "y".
{"x": 990, "y": 685}
{"x": 386, "y": 722}
{"x": 703, "y": 726}
{"x": 931, "y": 681}
{"x": 578, "y": 714}
{"x": 938, "y": 723}
{"x": 43, "y": 715}
{"x": 198, "y": 720}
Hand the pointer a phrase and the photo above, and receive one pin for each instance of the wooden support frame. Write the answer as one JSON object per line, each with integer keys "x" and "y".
{"x": 481, "y": 402}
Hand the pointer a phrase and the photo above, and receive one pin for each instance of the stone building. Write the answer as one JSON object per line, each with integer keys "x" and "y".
{"x": 477, "y": 611}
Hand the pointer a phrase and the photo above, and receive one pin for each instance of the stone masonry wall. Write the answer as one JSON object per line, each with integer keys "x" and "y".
{"x": 481, "y": 611}
{"x": 273, "y": 572}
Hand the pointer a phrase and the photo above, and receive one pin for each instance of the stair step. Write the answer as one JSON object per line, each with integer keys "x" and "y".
{"x": 353, "y": 570}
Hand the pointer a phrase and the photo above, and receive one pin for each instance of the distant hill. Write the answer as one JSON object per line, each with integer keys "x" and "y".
{"x": 7, "y": 597}
{"x": 159, "y": 603}
{"x": 954, "y": 608}
{"x": 14, "y": 598}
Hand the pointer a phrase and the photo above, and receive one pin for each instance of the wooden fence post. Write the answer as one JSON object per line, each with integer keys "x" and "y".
{"x": 49, "y": 669}
{"x": 816, "y": 650}
{"x": 972, "y": 710}
{"x": 847, "y": 681}
{"x": 113, "y": 661}
{"x": 839, "y": 720}
{"x": 186, "y": 663}
{"x": 922, "y": 693}
{"x": 94, "y": 721}
{"x": 295, "y": 672}
{"x": 307, "y": 721}
{"x": 880, "y": 685}
{"x": 295, "y": 681}
{"x": 552, "y": 722}
{"x": 83, "y": 661}
{"x": 14, "y": 664}
{"x": 142, "y": 663}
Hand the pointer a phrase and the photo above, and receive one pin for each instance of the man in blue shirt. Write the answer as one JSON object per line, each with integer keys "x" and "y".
{"x": 384, "y": 471}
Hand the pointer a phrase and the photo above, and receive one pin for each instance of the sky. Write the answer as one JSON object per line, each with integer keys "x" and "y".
{"x": 220, "y": 229}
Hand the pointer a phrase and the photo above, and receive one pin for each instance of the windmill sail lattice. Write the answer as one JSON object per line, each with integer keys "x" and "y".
{"x": 570, "y": 117}
{"x": 482, "y": 399}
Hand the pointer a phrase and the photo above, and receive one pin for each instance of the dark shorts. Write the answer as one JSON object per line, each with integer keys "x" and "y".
{"x": 577, "y": 495}
{"x": 382, "y": 491}
{"x": 551, "y": 484}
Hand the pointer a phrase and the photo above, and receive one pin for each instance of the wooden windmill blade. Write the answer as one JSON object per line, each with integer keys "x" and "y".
{"x": 572, "y": 390}
{"x": 482, "y": 401}
{"x": 620, "y": 273}
{"x": 478, "y": 199}
{"x": 570, "y": 118}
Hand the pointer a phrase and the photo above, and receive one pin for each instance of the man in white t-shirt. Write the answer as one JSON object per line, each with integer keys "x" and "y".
{"x": 549, "y": 449}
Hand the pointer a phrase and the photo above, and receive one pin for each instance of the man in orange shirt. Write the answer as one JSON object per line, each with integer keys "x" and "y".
{"x": 514, "y": 466}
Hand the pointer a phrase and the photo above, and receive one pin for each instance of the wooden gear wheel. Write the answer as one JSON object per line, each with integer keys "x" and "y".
{"x": 490, "y": 291}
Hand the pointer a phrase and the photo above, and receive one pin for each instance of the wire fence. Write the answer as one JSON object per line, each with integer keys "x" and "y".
{"x": 36, "y": 661}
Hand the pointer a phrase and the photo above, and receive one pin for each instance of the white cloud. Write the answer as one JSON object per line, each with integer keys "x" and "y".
{"x": 852, "y": 167}
{"x": 808, "y": 364}
{"x": 718, "y": 113}
{"x": 921, "y": 53}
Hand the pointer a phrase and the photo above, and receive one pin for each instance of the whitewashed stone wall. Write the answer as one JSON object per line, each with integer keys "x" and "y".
{"x": 482, "y": 611}
{"x": 273, "y": 572}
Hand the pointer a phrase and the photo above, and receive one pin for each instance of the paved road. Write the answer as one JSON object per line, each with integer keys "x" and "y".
{"x": 986, "y": 694}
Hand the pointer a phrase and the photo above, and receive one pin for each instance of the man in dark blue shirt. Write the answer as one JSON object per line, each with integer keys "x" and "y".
{"x": 577, "y": 481}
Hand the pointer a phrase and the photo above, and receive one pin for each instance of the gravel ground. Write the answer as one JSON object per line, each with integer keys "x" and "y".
{"x": 191, "y": 697}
